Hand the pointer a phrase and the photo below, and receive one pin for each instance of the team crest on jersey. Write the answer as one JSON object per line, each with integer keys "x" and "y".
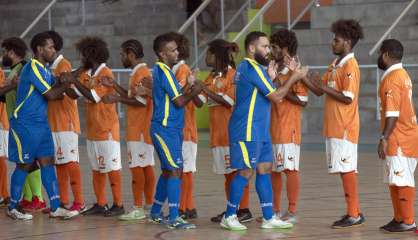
{"x": 237, "y": 75}
{"x": 141, "y": 155}
{"x": 388, "y": 94}
{"x": 350, "y": 76}
{"x": 345, "y": 160}
{"x": 26, "y": 156}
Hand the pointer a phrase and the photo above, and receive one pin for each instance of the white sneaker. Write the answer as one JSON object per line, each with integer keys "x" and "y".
{"x": 275, "y": 222}
{"x": 18, "y": 215}
{"x": 231, "y": 223}
{"x": 63, "y": 213}
{"x": 289, "y": 217}
{"x": 135, "y": 214}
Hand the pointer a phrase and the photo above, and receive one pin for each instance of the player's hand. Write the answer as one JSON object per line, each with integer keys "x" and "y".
{"x": 382, "y": 148}
{"x": 107, "y": 82}
{"x": 192, "y": 78}
{"x": 315, "y": 79}
{"x": 147, "y": 82}
{"x": 141, "y": 90}
{"x": 110, "y": 98}
{"x": 196, "y": 88}
{"x": 272, "y": 70}
{"x": 301, "y": 72}
{"x": 291, "y": 62}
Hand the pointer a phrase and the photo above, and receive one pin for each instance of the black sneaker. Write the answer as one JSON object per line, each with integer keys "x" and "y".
{"x": 191, "y": 214}
{"x": 217, "y": 218}
{"x": 183, "y": 214}
{"x": 348, "y": 221}
{"x": 389, "y": 224}
{"x": 244, "y": 215}
{"x": 114, "y": 211}
{"x": 4, "y": 202}
{"x": 400, "y": 227}
{"x": 96, "y": 210}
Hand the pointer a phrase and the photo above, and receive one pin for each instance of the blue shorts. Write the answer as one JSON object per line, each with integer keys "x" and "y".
{"x": 29, "y": 143}
{"x": 249, "y": 154}
{"x": 168, "y": 145}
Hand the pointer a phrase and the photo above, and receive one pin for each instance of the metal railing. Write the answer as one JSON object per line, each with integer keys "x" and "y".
{"x": 290, "y": 24}
{"x": 47, "y": 9}
{"x": 389, "y": 30}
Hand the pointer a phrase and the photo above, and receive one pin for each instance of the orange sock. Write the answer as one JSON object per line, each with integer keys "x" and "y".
{"x": 138, "y": 180}
{"x": 115, "y": 179}
{"x": 276, "y": 182}
{"x": 351, "y": 193}
{"x": 292, "y": 188}
{"x": 99, "y": 185}
{"x": 149, "y": 184}
{"x": 190, "y": 202}
{"x": 394, "y": 195}
{"x": 406, "y": 203}
{"x": 63, "y": 182}
{"x": 75, "y": 181}
{"x": 184, "y": 192}
{"x": 4, "y": 193}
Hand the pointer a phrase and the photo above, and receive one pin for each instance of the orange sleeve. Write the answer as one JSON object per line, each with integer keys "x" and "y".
{"x": 99, "y": 88}
{"x": 182, "y": 73}
{"x": 64, "y": 66}
{"x": 349, "y": 81}
{"x": 393, "y": 98}
{"x": 136, "y": 80}
{"x": 2, "y": 78}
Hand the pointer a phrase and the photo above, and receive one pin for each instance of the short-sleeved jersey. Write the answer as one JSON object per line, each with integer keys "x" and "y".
{"x": 165, "y": 89}
{"x": 102, "y": 120}
{"x": 4, "y": 121}
{"x": 139, "y": 118}
{"x": 219, "y": 115}
{"x": 286, "y": 117}
{"x": 250, "y": 120}
{"x": 182, "y": 71}
{"x": 395, "y": 92}
{"x": 63, "y": 113}
{"x": 342, "y": 120}
{"x": 31, "y": 106}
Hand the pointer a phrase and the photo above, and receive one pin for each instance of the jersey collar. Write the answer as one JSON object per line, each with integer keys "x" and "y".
{"x": 391, "y": 69}
{"x": 36, "y": 61}
{"x": 138, "y": 66}
{"x": 103, "y": 65}
{"x": 57, "y": 61}
{"x": 344, "y": 60}
{"x": 177, "y": 66}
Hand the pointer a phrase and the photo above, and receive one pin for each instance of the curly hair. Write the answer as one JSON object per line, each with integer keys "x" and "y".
{"x": 224, "y": 54}
{"x": 133, "y": 46}
{"x": 40, "y": 39}
{"x": 285, "y": 38}
{"x": 183, "y": 45}
{"x": 93, "y": 49}
{"x": 57, "y": 39}
{"x": 348, "y": 29}
{"x": 17, "y": 45}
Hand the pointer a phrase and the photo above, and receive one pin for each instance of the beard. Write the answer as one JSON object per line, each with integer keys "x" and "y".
{"x": 381, "y": 64}
{"x": 263, "y": 60}
{"x": 7, "y": 62}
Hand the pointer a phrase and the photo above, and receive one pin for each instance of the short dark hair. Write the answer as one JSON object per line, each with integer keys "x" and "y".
{"x": 252, "y": 37}
{"x": 183, "y": 45}
{"x": 94, "y": 49}
{"x": 160, "y": 41}
{"x": 58, "y": 41}
{"x": 133, "y": 46}
{"x": 39, "y": 40}
{"x": 17, "y": 45}
{"x": 393, "y": 48}
{"x": 348, "y": 29}
{"x": 285, "y": 38}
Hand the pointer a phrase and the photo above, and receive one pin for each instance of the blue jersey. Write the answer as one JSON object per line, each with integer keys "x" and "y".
{"x": 165, "y": 89}
{"x": 250, "y": 120}
{"x": 31, "y": 106}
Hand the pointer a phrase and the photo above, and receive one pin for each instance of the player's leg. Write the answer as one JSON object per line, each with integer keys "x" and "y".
{"x": 63, "y": 183}
{"x": 4, "y": 192}
{"x": 16, "y": 184}
{"x": 149, "y": 186}
{"x": 76, "y": 184}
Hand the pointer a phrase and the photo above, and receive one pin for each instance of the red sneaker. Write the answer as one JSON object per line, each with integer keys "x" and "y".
{"x": 416, "y": 231}
{"x": 78, "y": 207}
{"x": 38, "y": 205}
{"x": 25, "y": 205}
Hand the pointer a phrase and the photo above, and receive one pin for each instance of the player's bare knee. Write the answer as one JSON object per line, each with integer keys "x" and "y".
{"x": 46, "y": 161}
{"x": 24, "y": 167}
{"x": 264, "y": 168}
{"x": 247, "y": 173}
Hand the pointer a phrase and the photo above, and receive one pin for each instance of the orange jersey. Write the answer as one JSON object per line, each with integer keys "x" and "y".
{"x": 341, "y": 120}
{"x": 218, "y": 114}
{"x": 102, "y": 120}
{"x": 182, "y": 71}
{"x": 395, "y": 93}
{"x": 286, "y": 117}
{"x": 4, "y": 121}
{"x": 63, "y": 114}
{"x": 138, "y": 118}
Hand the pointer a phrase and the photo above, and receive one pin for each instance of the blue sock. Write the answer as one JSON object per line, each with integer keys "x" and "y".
{"x": 173, "y": 189}
{"x": 16, "y": 186}
{"x": 50, "y": 182}
{"x": 265, "y": 194}
{"x": 160, "y": 196}
{"x": 235, "y": 194}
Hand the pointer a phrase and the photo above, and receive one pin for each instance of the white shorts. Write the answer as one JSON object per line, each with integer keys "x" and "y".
{"x": 104, "y": 156}
{"x": 189, "y": 152}
{"x": 399, "y": 170}
{"x": 221, "y": 160}
{"x": 341, "y": 155}
{"x": 140, "y": 154}
{"x": 286, "y": 157}
{"x": 4, "y": 143}
{"x": 66, "y": 147}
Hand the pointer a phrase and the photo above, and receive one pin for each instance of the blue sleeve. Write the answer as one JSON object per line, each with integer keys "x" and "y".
{"x": 41, "y": 78}
{"x": 170, "y": 83}
{"x": 261, "y": 80}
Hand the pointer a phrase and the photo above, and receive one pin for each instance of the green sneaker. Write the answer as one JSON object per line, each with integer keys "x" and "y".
{"x": 135, "y": 214}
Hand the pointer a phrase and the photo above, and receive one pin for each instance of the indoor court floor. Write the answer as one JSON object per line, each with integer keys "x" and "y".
{"x": 321, "y": 203}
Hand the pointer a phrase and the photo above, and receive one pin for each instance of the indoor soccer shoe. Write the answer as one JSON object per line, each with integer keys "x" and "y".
{"x": 400, "y": 227}
{"x": 18, "y": 215}
{"x": 244, "y": 215}
{"x": 289, "y": 217}
{"x": 389, "y": 224}
{"x": 114, "y": 211}
{"x": 179, "y": 223}
{"x": 135, "y": 214}
{"x": 217, "y": 218}
{"x": 63, "y": 213}
{"x": 275, "y": 223}
{"x": 156, "y": 218}
{"x": 231, "y": 223}
{"x": 348, "y": 221}
{"x": 96, "y": 209}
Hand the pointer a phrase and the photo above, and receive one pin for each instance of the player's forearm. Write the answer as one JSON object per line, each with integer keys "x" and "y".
{"x": 132, "y": 101}
{"x": 338, "y": 96}
{"x": 86, "y": 92}
{"x": 293, "y": 98}
{"x": 120, "y": 90}
{"x": 7, "y": 89}
{"x": 70, "y": 92}
{"x": 390, "y": 123}
{"x": 316, "y": 90}
{"x": 56, "y": 92}
{"x": 197, "y": 101}
{"x": 217, "y": 98}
